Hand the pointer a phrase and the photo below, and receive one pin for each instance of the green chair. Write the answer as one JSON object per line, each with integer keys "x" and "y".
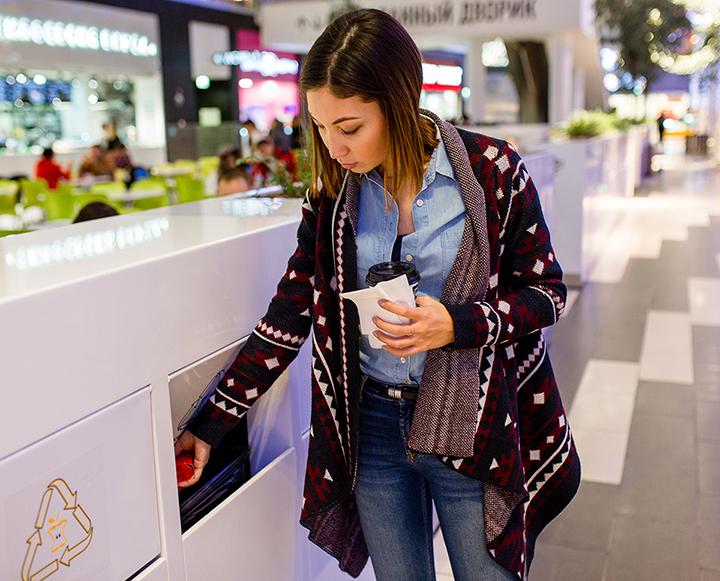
{"x": 158, "y": 199}
{"x": 59, "y": 205}
{"x": 149, "y": 184}
{"x": 8, "y": 196}
{"x": 189, "y": 189}
{"x": 111, "y": 190}
{"x": 208, "y": 164}
{"x": 82, "y": 200}
{"x": 116, "y": 194}
{"x": 34, "y": 192}
{"x": 12, "y": 232}
{"x": 151, "y": 203}
{"x": 7, "y": 204}
{"x": 66, "y": 188}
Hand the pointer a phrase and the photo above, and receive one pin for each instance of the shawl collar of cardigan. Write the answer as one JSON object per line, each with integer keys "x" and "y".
{"x": 446, "y": 410}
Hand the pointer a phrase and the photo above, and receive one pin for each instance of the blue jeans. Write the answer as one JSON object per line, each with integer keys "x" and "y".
{"x": 394, "y": 489}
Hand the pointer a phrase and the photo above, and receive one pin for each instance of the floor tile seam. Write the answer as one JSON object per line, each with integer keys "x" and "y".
{"x": 600, "y": 430}
{"x": 611, "y": 536}
{"x": 650, "y": 518}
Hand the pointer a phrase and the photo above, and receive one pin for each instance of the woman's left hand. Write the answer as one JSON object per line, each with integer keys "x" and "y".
{"x": 430, "y": 326}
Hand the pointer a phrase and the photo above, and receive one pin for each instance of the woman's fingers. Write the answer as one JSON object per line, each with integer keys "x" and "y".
{"x": 201, "y": 454}
{"x": 402, "y": 330}
{"x": 430, "y": 327}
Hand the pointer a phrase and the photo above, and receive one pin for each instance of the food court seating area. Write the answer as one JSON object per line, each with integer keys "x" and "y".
{"x": 27, "y": 204}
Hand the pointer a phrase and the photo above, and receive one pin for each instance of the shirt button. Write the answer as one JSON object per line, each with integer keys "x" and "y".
{"x": 420, "y": 202}
{"x": 403, "y": 360}
{"x": 408, "y": 257}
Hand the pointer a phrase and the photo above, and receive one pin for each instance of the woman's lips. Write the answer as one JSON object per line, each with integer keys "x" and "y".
{"x": 348, "y": 165}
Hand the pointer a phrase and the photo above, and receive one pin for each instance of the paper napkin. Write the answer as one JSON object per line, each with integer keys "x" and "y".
{"x": 397, "y": 290}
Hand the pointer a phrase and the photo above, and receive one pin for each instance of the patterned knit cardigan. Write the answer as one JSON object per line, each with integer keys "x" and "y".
{"x": 523, "y": 449}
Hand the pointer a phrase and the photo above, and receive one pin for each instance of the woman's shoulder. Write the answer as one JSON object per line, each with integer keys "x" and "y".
{"x": 491, "y": 148}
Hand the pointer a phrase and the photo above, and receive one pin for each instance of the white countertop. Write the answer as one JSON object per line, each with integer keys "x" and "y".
{"x": 36, "y": 261}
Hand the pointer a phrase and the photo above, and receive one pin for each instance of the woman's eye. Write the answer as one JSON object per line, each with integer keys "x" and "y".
{"x": 351, "y": 132}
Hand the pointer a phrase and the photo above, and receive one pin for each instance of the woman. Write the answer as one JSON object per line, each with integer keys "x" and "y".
{"x": 460, "y": 405}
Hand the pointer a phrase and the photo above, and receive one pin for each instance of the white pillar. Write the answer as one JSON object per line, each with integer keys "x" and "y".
{"x": 149, "y": 113}
{"x": 579, "y": 90}
{"x": 476, "y": 80}
{"x": 560, "y": 57}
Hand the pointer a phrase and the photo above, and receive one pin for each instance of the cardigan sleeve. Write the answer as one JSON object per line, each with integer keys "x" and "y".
{"x": 526, "y": 292}
{"x": 273, "y": 344}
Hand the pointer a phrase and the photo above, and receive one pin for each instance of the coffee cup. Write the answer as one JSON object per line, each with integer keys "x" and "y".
{"x": 390, "y": 270}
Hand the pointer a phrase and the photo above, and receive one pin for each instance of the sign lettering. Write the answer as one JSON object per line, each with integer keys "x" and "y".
{"x": 267, "y": 63}
{"x": 497, "y": 10}
{"x": 53, "y": 33}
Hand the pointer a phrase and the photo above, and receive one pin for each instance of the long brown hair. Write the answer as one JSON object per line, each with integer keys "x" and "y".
{"x": 368, "y": 54}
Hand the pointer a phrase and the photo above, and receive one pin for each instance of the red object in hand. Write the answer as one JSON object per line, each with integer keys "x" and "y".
{"x": 184, "y": 466}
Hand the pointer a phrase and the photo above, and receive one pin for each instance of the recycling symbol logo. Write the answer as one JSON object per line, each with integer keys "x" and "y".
{"x": 55, "y": 528}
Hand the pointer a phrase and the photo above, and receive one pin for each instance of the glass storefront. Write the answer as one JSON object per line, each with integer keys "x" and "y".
{"x": 442, "y": 85}
{"x": 68, "y": 69}
{"x": 42, "y": 109}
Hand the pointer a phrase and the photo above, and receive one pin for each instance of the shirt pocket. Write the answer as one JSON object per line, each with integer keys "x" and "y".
{"x": 450, "y": 242}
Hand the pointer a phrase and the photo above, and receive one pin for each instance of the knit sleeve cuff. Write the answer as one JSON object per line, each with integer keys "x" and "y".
{"x": 209, "y": 430}
{"x": 468, "y": 332}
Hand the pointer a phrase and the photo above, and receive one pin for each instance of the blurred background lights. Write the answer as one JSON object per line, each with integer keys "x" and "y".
{"x": 611, "y": 82}
{"x": 202, "y": 82}
{"x": 39, "y": 79}
{"x": 609, "y": 59}
{"x": 494, "y": 53}
{"x": 245, "y": 83}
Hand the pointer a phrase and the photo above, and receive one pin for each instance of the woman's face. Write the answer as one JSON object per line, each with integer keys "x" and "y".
{"x": 355, "y": 132}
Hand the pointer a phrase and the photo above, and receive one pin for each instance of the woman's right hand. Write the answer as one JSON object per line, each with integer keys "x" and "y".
{"x": 200, "y": 451}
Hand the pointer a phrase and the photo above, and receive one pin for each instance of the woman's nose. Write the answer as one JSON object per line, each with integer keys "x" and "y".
{"x": 336, "y": 148}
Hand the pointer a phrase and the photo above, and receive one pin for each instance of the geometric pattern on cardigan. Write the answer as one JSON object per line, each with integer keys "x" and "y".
{"x": 523, "y": 447}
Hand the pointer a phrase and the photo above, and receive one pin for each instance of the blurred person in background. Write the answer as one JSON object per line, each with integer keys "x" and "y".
{"x": 282, "y": 140}
{"x": 95, "y": 210}
{"x": 233, "y": 181}
{"x": 261, "y": 170}
{"x": 297, "y": 133}
{"x": 119, "y": 161}
{"x": 111, "y": 139}
{"x": 228, "y": 160}
{"x": 94, "y": 163}
{"x": 250, "y": 135}
{"x": 48, "y": 170}
{"x": 272, "y": 159}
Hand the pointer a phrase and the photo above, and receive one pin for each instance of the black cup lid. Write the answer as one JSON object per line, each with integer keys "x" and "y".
{"x": 389, "y": 270}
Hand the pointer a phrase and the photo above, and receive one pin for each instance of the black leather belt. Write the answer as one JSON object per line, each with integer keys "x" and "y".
{"x": 392, "y": 391}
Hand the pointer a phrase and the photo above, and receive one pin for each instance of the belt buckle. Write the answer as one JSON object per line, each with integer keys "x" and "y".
{"x": 394, "y": 392}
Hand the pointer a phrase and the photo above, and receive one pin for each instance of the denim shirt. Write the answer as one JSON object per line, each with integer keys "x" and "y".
{"x": 439, "y": 217}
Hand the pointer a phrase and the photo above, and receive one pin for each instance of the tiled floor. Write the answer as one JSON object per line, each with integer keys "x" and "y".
{"x": 637, "y": 360}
